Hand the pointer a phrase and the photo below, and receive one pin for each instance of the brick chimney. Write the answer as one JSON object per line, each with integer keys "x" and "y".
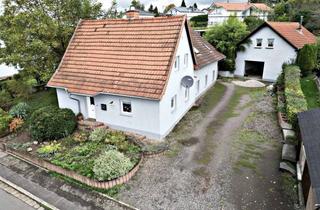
{"x": 132, "y": 13}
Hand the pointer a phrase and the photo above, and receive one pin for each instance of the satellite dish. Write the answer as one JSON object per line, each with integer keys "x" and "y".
{"x": 187, "y": 81}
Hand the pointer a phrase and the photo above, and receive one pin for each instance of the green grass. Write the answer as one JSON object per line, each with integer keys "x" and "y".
{"x": 212, "y": 98}
{"x": 311, "y": 92}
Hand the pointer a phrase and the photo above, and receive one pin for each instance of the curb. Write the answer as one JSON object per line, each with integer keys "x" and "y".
{"x": 33, "y": 197}
{"x": 119, "y": 202}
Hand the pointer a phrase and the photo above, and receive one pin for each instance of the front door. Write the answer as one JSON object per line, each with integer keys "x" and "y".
{"x": 91, "y": 107}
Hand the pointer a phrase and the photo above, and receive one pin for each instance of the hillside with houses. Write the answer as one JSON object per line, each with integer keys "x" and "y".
{"x": 146, "y": 104}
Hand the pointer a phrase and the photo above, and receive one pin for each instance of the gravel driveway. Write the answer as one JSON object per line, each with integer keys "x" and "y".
{"x": 200, "y": 171}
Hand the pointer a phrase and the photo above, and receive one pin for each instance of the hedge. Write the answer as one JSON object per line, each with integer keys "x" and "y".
{"x": 295, "y": 100}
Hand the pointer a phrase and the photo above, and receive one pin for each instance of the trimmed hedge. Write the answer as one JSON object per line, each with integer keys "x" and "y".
{"x": 52, "y": 123}
{"x": 295, "y": 100}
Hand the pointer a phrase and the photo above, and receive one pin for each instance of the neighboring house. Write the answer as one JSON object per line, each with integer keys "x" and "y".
{"x": 7, "y": 71}
{"x": 142, "y": 14}
{"x": 308, "y": 166}
{"x": 270, "y": 46}
{"x": 138, "y": 75}
{"x": 220, "y": 12}
{"x": 188, "y": 11}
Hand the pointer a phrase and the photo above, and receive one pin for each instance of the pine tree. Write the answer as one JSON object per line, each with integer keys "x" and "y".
{"x": 195, "y": 6}
{"x": 183, "y": 4}
{"x": 151, "y": 8}
{"x": 156, "y": 12}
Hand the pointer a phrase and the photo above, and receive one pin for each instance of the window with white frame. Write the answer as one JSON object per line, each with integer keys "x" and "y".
{"x": 186, "y": 60}
{"x": 206, "y": 80}
{"x": 270, "y": 43}
{"x": 186, "y": 94}
{"x": 259, "y": 43}
{"x": 126, "y": 107}
{"x": 177, "y": 63}
{"x": 173, "y": 103}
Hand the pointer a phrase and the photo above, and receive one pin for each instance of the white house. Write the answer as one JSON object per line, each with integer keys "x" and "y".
{"x": 270, "y": 46}
{"x": 188, "y": 11}
{"x": 7, "y": 71}
{"x": 220, "y": 12}
{"x": 138, "y": 75}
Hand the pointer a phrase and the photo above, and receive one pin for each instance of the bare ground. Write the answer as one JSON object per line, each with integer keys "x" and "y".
{"x": 205, "y": 169}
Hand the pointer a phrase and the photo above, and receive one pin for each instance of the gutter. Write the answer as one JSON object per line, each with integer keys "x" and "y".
{"x": 75, "y": 99}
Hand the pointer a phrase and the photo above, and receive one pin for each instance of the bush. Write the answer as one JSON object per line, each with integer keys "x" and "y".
{"x": 253, "y": 22}
{"x": 5, "y": 100}
{"x": 99, "y": 134}
{"x": 307, "y": 59}
{"x": 5, "y": 119}
{"x": 49, "y": 150}
{"x": 110, "y": 165}
{"x": 15, "y": 124}
{"x": 199, "y": 21}
{"x": 20, "y": 110}
{"x": 295, "y": 100}
{"x": 50, "y": 123}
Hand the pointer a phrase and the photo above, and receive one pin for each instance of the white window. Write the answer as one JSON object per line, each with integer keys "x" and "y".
{"x": 198, "y": 86}
{"x": 177, "y": 63}
{"x": 173, "y": 102}
{"x": 126, "y": 107}
{"x": 270, "y": 43}
{"x": 186, "y": 60}
{"x": 259, "y": 43}
{"x": 206, "y": 80}
{"x": 186, "y": 94}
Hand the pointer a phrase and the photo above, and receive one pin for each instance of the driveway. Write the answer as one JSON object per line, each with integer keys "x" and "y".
{"x": 217, "y": 159}
{"x": 9, "y": 202}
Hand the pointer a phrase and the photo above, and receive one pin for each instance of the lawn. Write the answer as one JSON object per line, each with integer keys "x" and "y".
{"x": 311, "y": 92}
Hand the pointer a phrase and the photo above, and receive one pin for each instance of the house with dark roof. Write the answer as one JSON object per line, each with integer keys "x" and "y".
{"x": 187, "y": 11}
{"x": 138, "y": 74}
{"x": 268, "y": 47}
{"x": 220, "y": 12}
{"x": 308, "y": 166}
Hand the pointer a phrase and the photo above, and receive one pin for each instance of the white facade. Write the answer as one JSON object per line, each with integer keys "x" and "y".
{"x": 7, "y": 71}
{"x": 273, "y": 57}
{"x": 185, "y": 11}
{"x": 152, "y": 118}
{"x": 220, "y": 15}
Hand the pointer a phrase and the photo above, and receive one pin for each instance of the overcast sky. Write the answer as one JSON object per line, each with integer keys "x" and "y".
{"x": 124, "y": 4}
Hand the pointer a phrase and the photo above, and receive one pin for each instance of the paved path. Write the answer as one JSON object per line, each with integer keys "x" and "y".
{"x": 50, "y": 189}
{"x": 9, "y": 202}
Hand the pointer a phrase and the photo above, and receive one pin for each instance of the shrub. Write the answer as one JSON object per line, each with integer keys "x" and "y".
{"x": 115, "y": 137}
{"x": 295, "y": 100}
{"x": 199, "y": 21}
{"x": 20, "y": 110}
{"x": 81, "y": 136}
{"x": 15, "y": 124}
{"x": 5, "y": 100}
{"x": 307, "y": 59}
{"x": 5, "y": 119}
{"x": 49, "y": 150}
{"x": 50, "y": 123}
{"x": 110, "y": 165}
{"x": 99, "y": 134}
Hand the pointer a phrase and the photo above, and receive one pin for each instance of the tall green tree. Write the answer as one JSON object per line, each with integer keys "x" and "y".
{"x": 195, "y": 6}
{"x": 156, "y": 12}
{"x": 225, "y": 38}
{"x": 183, "y": 4}
{"x": 150, "y": 8}
{"x": 137, "y": 4}
{"x": 36, "y": 32}
{"x": 307, "y": 59}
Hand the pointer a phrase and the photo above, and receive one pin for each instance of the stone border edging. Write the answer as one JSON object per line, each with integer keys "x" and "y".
{"x": 28, "y": 194}
{"x": 83, "y": 179}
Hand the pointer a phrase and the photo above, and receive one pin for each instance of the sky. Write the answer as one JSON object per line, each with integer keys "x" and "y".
{"x": 161, "y": 4}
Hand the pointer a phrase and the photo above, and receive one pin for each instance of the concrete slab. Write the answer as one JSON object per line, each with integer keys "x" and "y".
{"x": 288, "y": 167}
{"x": 287, "y": 134}
{"x": 289, "y": 153}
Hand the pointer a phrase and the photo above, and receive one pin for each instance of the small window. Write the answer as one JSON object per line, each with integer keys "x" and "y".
{"x": 206, "y": 80}
{"x": 186, "y": 94}
{"x": 173, "y": 102}
{"x": 186, "y": 60}
{"x": 177, "y": 63}
{"x": 259, "y": 43}
{"x": 104, "y": 107}
{"x": 91, "y": 101}
{"x": 270, "y": 43}
{"x": 126, "y": 107}
{"x": 198, "y": 86}
{"x": 213, "y": 75}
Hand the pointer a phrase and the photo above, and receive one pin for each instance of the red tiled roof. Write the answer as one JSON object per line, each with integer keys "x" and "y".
{"x": 234, "y": 6}
{"x": 289, "y": 31}
{"x": 121, "y": 56}
{"x": 206, "y": 53}
{"x": 261, "y": 6}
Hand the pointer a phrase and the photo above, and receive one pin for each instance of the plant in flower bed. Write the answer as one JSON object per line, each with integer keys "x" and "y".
{"x": 5, "y": 119}
{"x": 20, "y": 110}
{"x": 85, "y": 154}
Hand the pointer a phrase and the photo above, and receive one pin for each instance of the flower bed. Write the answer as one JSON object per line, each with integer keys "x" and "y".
{"x": 102, "y": 155}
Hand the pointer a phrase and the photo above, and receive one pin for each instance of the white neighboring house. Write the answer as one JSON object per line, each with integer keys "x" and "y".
{"x": 135, "y": 74}
{"x": 142, "y": 14}
{"x": 188, "y": 11}
{"x": 7, "y": 71}
{"x": 220, "y": 12}
{"x": 270, "y": 46}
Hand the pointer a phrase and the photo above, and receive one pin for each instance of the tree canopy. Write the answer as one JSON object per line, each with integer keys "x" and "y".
{"x": 168, "y": 7}
{"x": 137, "y": 4}
{"x": 36, "y": 32}
{"x": 225, "y": 38}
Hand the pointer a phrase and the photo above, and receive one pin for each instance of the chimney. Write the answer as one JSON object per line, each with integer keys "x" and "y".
{"x": 132, "y": 13}
{"x": 300, "y": 24}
